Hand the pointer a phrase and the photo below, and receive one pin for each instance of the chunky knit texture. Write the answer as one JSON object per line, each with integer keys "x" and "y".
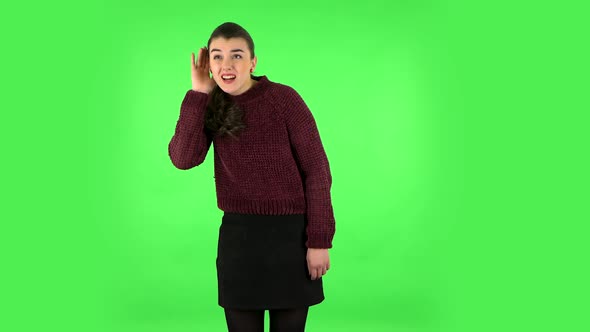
{"x": 278, "y": 164}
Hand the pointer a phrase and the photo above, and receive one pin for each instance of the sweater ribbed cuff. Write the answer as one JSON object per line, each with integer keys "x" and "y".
{"x": 194, "y": 98}
{"x": 319, "y": 240}
{"x": 192, "y": 111}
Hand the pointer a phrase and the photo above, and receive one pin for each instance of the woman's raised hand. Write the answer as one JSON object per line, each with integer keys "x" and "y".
{"x": 200, "y": 72}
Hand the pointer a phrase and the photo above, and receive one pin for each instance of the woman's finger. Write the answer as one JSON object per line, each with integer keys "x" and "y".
{"x": 206, "y": 59}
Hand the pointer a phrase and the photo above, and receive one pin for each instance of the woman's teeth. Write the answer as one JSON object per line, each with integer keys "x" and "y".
{"x": 228, "y": 77}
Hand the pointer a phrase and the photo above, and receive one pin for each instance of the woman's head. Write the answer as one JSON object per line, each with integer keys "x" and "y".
{"x": 231, "y": 58}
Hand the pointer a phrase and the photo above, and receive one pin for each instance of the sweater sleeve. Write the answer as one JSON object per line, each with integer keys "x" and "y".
{"x": 311, "y": 157}
{"x": 190, "y": 143}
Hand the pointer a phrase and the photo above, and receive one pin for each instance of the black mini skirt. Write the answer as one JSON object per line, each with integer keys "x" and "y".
{"x": 262, "y": 263}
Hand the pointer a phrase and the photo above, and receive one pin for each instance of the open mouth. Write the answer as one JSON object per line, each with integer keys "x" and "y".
{"x": 228, "y": 78}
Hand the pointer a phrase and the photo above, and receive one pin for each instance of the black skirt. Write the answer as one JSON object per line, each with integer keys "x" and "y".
{"x": 262, "y": 263}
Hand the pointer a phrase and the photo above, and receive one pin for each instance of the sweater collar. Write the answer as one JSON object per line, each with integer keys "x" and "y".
{"x": 254, "y": 92}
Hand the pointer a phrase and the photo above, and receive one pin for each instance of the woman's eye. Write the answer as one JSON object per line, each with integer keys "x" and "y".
{"x": 237, "y": 56}
{"x": 215, "y": 57}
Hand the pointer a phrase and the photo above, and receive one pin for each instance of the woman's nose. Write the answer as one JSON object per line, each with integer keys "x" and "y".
{"x": 226, "y": 64}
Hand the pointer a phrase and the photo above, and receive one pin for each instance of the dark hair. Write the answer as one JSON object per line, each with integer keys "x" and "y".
{"x": 223, "y": 116}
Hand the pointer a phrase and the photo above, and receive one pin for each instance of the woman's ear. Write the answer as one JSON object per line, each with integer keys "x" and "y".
{"x": 254, "y": 61}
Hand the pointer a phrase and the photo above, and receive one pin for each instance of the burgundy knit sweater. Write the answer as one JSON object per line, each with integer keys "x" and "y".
{"x": 278, "y": 165}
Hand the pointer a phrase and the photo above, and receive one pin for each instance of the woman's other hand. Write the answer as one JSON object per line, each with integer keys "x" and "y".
{"x": 318, "y": 262}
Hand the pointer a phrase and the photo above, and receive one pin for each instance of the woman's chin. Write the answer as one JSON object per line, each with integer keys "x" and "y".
{"x": 228, "y": 90}
{"x": 225, "y": 87}
{"x": 232, "y": 88}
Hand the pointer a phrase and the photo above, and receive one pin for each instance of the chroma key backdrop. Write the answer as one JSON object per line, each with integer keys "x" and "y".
{"x": 456, "y": 133}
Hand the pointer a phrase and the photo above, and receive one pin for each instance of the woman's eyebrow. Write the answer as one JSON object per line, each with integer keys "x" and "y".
{"x": 234, "y": 50}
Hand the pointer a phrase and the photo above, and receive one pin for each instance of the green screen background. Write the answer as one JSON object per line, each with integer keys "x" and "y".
{"x": 456, "y": 133}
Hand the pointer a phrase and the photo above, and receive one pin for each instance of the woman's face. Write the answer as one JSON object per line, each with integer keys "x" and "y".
{"x": 230, "y": 63}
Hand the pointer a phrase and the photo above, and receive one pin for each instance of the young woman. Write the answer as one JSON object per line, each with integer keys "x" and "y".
{"x": 272, "y": 180}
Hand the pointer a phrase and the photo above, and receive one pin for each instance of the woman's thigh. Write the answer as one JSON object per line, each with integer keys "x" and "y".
{"x": 244, "y": 320}
{"x": 288, "y": 320}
